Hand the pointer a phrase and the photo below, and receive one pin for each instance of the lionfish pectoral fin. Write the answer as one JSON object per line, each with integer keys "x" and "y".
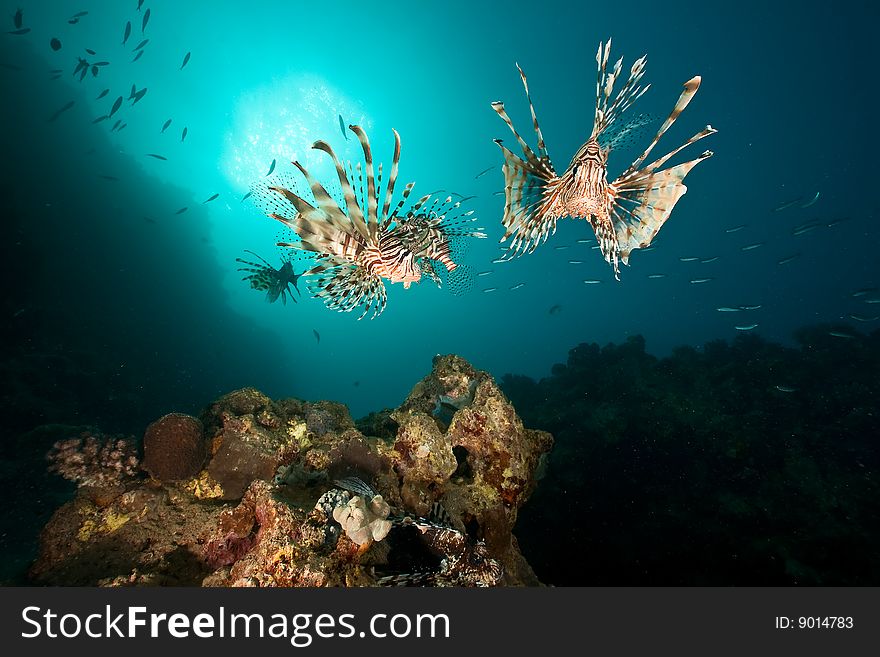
{"x": 642, "y": 202}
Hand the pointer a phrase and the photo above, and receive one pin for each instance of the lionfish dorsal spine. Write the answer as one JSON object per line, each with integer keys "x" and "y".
{"x": 372, "y": 201}
{"x": 606, "y": 114}
{"x": 355, "y": 214}
{"x": 392, "y": 177}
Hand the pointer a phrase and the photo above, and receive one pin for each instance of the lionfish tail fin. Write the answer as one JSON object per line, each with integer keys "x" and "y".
{"x": 609, "y": 107}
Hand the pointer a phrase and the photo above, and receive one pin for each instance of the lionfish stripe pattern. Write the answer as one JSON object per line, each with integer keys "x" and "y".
{"x": 357, "y": 251}
{"x": 626, "y": 213}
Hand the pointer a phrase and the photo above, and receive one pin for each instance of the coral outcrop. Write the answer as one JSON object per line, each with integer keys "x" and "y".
{"x": 293, "y": 493}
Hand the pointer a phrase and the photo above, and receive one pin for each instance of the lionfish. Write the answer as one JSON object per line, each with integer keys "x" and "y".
{"x": 626, "y": 213}
{"x": 358, "y": 249}
{"x": 274, "y": 282}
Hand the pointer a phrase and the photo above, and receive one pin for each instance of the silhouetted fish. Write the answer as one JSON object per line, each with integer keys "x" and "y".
{"x": 185, "y": 60}
{"x": 116, "y": 105}
{"x": 145, "y": 21}
{"x": 17, "y": 18}
{"x": 23, "y": 30}
{"x": 60, "y": 111}
{"x": 126, "y": 32}
{"x": 210, "y": 199}
{"x": 101, "y": 118}
{"x": 102, "y": 94}
{"x": 141, "y": 44}
{"x": 90, "y": 51}
{"x": 483, "y": 172}
{"x": 183, "y": 134}
{"x": 317, "y": 336}
{"x": 165, "y": 126}
{"x": 271, "y": 168}
{"x": 342, "y": 127}
{"x": 245, "y": 196}
{"x": 554, "y": 309}
{"x": 116, "y": 125}
{"x": 158, "y": 157}
{"x": 55, "y": 44}
{"x": 182, "y": 210}
{"x": 140, "y": 94}
{"x": 138, "y": 56}
{"x": 114, "y": 178}
{"x": 140, "y": 2}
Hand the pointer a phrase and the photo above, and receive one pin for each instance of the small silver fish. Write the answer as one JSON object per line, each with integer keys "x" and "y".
{"x": 688, "y": 259}
{"x": 750, "y": 307}
{"x": 575, "y": 262}
{"x": 786, "y": 389}
{"x": 841, "y": 334}
{"x": 735, "y": 229}
{"x": 811, "y": 201}
{"x": 490, "y": 289}
{"x": 592, "y": 281}
{"x": 727, "y": 309}
{"x": 861, "y": 318}
{"x": 587, "y": 241}
{"x": 517, "y": 286}
{"x": 749, "y": 247}
{"x": 483, "y": 273}
{"x": 864, "y": 291}
{"x": 747, "y": 327}
{"x": 656, "y": 275}
{"x": 787, "y": 259}
{"x": 561, "y": 247}
{"x": 788, "y": 204}
{"x": 805, "y": 228}
{"x": 708, "y": 260}
{"x": 701, "y": 280}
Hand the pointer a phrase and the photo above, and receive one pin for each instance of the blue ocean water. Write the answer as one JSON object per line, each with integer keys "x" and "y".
{"x": 119, "y": 307}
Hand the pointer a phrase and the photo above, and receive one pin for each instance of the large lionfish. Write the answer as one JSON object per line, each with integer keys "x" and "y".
{"x": 626, "y": 213}
{"x": 357, "y": 249}
{"x": 274, "y": 282}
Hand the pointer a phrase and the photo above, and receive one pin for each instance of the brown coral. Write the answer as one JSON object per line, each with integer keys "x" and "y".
{"x": 174, "y": 447}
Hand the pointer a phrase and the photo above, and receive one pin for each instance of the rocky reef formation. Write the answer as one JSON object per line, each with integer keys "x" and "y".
{"x": 258, "y": 492}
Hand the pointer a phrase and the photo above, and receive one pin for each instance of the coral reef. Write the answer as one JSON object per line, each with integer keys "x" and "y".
{"x": 293, "y": 494}
{"x": 743, "y": 463}
{"x": 101, "y": 465}
{"x": 174, "y": 447}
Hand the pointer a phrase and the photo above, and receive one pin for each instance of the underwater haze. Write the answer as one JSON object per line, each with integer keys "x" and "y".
{"x": 125, "y": 297}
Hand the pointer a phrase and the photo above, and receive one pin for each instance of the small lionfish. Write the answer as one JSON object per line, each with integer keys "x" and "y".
{"x": 626, "y": 213}
{"x": 357, "y": 249}
{"x": 275, "y": 282}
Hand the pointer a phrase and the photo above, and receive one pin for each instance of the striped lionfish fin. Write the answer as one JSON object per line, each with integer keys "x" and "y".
{"x": 372, "y": 200}
{"x": 643, "y": 198}
{"x": 527, "y": 184}
{"x": 344, "y": 285}
{"x": 606, "y": 114}
{"x": 355, "y": 214}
